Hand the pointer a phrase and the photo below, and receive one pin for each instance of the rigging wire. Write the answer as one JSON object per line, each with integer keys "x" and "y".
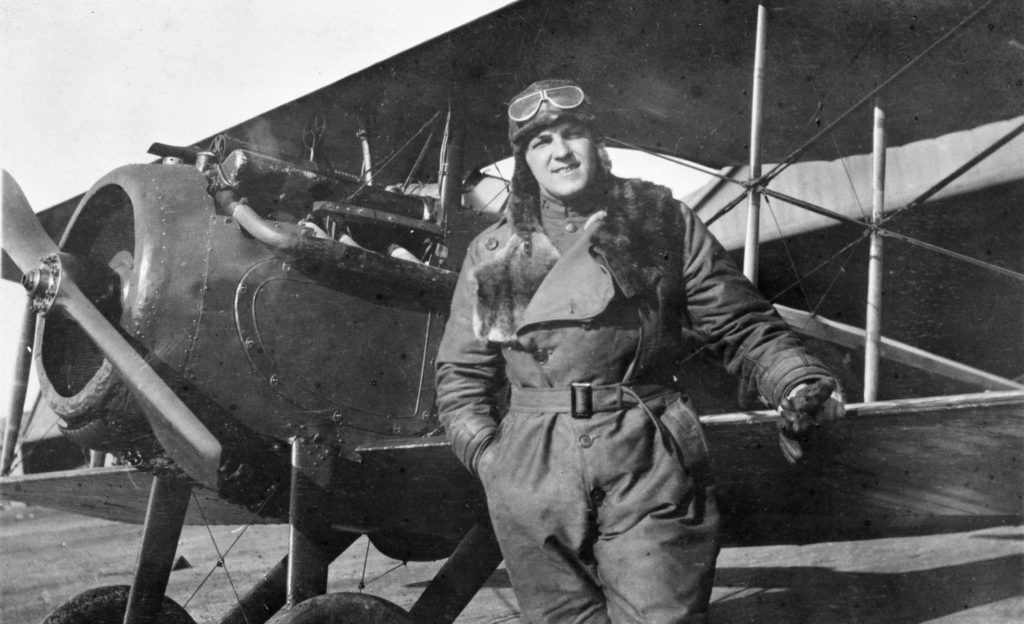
{"x": 795, "y": 154}
{"x": 885, "y": 232}
{"x": 864, "y": 236}
{"x": 789, "y": 254}
{"x": 819, "y": 114}
{"x": 497, "y": 169}
{"x": 777, "y": 169}
{"x": 221, "y": 562}
{"x": 383, "y": 574}
{"x": 387, "y": 161}
{"x": 496, "y": 195}
{"x": 800, "y": 280}
{"x": 366, "y": 558}
{"x": 944, "y": 182}
{"x": 869, "y": 227}
{"x": 677, "y": 161}
{"x": 419, "y": 161}
{"x": 271, "y": 491}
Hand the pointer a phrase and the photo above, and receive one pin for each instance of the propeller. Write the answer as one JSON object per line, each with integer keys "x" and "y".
{"x": 182, "y": 435}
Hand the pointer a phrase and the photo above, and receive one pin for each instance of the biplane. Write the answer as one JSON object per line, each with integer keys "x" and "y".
{"x": 248, "y": 323}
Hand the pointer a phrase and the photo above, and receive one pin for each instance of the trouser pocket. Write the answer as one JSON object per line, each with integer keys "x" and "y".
{"x": 687, "y": 434}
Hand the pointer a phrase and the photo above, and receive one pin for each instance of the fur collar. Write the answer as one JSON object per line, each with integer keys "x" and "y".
{"x": 638, "y": 240}
{"x": 506, "y": 282}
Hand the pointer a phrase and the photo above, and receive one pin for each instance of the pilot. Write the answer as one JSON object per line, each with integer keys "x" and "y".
{"x": 581, "y": 299}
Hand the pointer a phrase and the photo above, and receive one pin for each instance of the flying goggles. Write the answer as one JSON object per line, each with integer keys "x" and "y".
{"x": 568, "y": 96}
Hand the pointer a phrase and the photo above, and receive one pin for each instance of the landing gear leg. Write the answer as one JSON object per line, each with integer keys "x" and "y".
{"x": 460, "y": 578}
{"x": 269, "y": 594}
{"x": 165, "y": 516}
{"x": 309, "y": 544}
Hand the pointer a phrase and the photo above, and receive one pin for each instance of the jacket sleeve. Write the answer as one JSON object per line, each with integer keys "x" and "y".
{"x": 738, "y": 322}
{"x": 469, "y": 372}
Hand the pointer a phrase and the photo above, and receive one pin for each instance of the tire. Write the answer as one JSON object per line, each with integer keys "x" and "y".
{"x": 343, "y": 607}
{"x": 106, "y": 605}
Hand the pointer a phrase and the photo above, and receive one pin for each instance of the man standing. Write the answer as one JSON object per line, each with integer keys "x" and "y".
{"x": 597, "y": 478}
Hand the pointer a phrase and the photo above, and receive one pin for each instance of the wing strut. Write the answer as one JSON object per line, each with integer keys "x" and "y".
{"x": 873, "y": 323}
{"x": 750, "y": 247}
{"x": 16, "y": 407}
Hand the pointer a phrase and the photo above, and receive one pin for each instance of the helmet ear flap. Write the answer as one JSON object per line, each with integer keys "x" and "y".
{"x": 602, "y": 156}
{"x": 523, "y": 207}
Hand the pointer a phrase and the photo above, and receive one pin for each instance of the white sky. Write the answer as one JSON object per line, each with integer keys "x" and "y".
{"x": 88, "y": 85}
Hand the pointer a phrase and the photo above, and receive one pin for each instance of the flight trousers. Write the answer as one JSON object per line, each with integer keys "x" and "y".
{"x": 610, "y": 518}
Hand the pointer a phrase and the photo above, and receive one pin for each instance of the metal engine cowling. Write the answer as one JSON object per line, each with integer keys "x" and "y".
{"x": 126, "y": 222}
{"x": 323, "y": 339}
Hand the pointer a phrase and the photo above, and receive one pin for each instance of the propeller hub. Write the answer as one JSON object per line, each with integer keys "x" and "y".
{"x": 43, "y": 283}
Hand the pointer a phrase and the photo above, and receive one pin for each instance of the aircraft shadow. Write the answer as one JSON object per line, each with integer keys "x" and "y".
{"x": 794, "y": 595}
{"x": 806, "y": 594}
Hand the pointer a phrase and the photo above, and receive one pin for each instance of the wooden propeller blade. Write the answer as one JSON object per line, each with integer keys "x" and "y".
{"x": 24, "y": 239}
{"x": 182, "y": 435}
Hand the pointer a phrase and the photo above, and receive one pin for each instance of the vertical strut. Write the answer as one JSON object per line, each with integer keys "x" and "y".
{"x": 458, "y": 580}
{"x": 873, "y": 324}
{"x": 270, "y": 593}
{"x": 750, "y": 248}
{"x": 16, "y": 407}
{"x": 309, "y": 545}
{"x": 367, "y": 159}
{"x": 165, "y": 515}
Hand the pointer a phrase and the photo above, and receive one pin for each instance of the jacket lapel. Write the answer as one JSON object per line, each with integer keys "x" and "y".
{"x": 576, "y": 288}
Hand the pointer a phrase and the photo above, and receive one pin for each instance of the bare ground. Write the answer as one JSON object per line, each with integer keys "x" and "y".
{"x": 47, "y": 556}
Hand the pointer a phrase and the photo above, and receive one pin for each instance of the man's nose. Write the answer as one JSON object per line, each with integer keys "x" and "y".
{"x": 560, "y": 148}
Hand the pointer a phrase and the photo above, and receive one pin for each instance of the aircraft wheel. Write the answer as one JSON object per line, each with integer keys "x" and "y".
{"x": 347, "y": 607}
{"x": 106, "y": 605}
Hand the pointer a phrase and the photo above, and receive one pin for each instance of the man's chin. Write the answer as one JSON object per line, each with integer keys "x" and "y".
{"x": 568, "y": 192}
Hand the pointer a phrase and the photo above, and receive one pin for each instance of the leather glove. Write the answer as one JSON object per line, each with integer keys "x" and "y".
{"x": 806, "y": 407}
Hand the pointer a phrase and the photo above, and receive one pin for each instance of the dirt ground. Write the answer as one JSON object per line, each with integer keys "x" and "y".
{"x": 48, "y": 556}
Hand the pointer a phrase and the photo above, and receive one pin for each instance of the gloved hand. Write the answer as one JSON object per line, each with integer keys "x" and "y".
{"x": 806, "y": 407}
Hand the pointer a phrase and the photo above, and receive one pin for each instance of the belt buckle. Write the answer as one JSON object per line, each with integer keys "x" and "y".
{"x": 581, "y": 400}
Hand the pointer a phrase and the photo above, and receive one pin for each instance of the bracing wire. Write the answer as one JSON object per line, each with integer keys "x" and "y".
{"x": 387, "y": 161}
{"x": 270, "y": 494}
{"x": 419, "y": 160}
{"x": 366, "y": 558}
{"x": 777, "y": 169}
{"x": 799, "y": 151}
{"x": 384, "y": 573}
{"x": 864, "y": 236}
{"x": 221, "y": 558}
{"x": 938, "y": 186}
{"x": 870, "y": 227}
{"x": 789, "y": 254}
{"x": 889, "y": 233}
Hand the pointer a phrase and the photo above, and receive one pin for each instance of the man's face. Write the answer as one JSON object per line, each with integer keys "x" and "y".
{"x": 563, "y": 160}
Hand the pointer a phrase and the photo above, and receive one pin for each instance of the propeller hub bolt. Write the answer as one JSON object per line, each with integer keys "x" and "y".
{"x": 30, "y": 281}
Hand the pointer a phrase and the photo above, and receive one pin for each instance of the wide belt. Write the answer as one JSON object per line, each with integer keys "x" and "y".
{"x": 583, "y": 400}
